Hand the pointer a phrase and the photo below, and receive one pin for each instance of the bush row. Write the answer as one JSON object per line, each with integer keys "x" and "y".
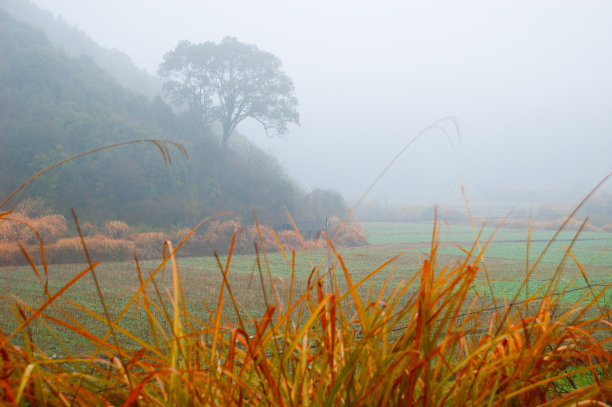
{"x": 119, "y": 244}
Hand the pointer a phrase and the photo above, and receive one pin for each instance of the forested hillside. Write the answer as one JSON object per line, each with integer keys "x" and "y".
{"x": 76, "y": 42}
{"x": 53, "y": 105}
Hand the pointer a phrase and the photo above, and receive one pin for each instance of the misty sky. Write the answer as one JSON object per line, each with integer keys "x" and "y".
{"x": 530, "y": 83}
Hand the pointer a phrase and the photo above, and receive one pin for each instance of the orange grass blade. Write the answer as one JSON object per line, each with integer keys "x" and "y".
{"x": 217, "y": 325}
{"x": 363, "y": 319}
{"x": 300, "y": 334}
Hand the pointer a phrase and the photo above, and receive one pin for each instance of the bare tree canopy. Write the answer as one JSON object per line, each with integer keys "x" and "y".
{"x": 229, "y": 82}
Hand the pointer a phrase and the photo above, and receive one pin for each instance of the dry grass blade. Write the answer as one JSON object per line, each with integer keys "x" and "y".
{"x": 434, "y": 126}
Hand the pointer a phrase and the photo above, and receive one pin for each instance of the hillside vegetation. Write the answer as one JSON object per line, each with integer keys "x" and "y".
{"x": 54, "y": 105}
{"x": 76, "y": 42}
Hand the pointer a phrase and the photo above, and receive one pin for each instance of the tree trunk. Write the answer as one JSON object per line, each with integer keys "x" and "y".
{"x": 226, "y": 135}
{"x": 224, "y": 141}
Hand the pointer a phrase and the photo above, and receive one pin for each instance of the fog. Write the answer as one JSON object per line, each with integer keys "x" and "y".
{"x": 528, "y": 83}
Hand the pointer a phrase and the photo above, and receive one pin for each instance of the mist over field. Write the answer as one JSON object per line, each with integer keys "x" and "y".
{"x": 528, "y": 84}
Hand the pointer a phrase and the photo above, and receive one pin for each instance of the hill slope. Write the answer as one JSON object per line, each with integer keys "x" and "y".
{"x": 53, "y": 105}
{"x": 75, "y": 42}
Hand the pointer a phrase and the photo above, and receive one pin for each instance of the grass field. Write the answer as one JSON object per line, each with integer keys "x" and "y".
{"x": 504, "y": 259}
{"x": 506, "y": 254}
{"x": 443, "y": 332}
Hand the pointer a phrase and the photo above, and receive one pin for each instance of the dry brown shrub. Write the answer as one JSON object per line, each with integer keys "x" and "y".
{"x": 290, "y": 240}
{"x": 246, "y": 237}
{"x": 69, "y": 250}
{"x": 11, "y": 255}
{"x": 218, "y": 235}
{"x": 194, "y": 246}
{"x": 51, "y": 228}
{"x": 117, "y": 229}
{"x": 149, "y": 245}
{"x": 267, "y": 235}
{"x": 21, "y": 227}
{"x": 572, "y": 224}
{"x": 178, "y": 235}
{"x": 350, "y": 234}
{"x": 10, "y": 227}
{"x": 100, "y": 247}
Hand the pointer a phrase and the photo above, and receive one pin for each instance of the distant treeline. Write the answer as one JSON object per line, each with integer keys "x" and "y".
{"x": 551, "y": 216}
{"x": 372, "y": 212}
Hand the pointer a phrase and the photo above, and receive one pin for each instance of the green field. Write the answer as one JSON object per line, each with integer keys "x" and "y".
{"x": 507, "y": 252}
{"x": 504, "y": 261}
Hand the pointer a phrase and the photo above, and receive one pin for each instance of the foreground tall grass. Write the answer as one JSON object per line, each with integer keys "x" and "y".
{"x": 421, "y": 344}
{"x": 423, "y": 341}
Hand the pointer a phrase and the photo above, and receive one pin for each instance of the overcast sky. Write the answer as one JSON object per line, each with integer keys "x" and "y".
{"x": 530, "y": 83}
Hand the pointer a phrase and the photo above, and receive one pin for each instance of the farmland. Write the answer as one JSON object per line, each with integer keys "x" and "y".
{"x": 393, "y": 301}
{"x": 506, "y": 254}
{"x": 504, "y": 261}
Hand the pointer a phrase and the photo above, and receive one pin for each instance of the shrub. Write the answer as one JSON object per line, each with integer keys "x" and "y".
{"x": 117, "y": 229}
{"x": 100, "y": 247}
{"x": 267, "y": 236}
{"x": 10, "y": 229}
{"x": 149, "y": 245}
{"x": 69, "y": 250}
{"x": 246, "y": 237}
{"x": 194, "y": 246}
{"x": 290, "y": 240}
{"x": 218, "y": 235}
{"x": 10, "y": 254}
{"x": 49, "y": 227}
{"x": 350, "y": 235}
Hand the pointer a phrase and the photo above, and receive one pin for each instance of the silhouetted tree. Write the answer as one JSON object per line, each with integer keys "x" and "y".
{"x": 229, "y": 82}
